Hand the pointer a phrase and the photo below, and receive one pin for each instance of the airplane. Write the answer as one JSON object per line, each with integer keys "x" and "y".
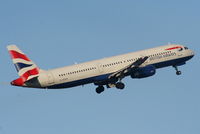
{"x": 107, "y": 72}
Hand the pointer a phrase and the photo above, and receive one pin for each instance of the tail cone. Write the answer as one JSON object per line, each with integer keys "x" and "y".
{"x": 18, "y": 82}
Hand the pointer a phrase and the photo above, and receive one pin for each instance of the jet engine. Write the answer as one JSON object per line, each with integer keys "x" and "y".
{"x": 144, "y": 72}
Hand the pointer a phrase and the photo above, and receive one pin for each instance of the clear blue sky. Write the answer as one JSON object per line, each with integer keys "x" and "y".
{"x": 59, "y": 33}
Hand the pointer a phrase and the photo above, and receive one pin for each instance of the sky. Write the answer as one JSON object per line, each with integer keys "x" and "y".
{"x": 59, "y": 33}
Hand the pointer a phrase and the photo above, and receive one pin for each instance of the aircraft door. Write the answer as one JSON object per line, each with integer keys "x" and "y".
{"x": 50, "y": 78}
{"x": 180, "y": 51}
{"x": 100, "y": 67}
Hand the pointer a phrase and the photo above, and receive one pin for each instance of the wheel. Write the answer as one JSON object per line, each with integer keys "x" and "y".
{"x": 178, "y": 73}
{"x": 120, "y": 85}
{"x": 99, "y": 89}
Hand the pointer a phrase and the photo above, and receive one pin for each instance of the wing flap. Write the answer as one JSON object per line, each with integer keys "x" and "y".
{"x": 121, "y": 73}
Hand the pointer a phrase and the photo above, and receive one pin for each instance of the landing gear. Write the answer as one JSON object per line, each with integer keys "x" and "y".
{"x": 99, "y": 89}
{"x": 177, "y": 71}
{"x": 120, "y": 85}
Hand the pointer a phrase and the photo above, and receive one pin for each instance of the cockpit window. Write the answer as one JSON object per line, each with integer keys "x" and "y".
{"x": 181, "y": 49}
{"x": 186, "y": 48}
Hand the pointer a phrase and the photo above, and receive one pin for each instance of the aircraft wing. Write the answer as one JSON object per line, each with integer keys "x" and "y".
{"x": 121, "y": 73}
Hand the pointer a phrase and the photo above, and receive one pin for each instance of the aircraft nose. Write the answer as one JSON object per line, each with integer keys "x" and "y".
{"x": 192, "y": 53}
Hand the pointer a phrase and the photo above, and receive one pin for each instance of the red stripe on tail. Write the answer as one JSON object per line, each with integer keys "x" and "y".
{"x": 20, "y": 81}
{"x": 34, "y": 71}
{"x": 17, "y": 55}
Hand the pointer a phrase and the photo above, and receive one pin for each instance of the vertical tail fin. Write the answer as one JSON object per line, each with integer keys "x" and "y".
{"x": 26, "y": 68}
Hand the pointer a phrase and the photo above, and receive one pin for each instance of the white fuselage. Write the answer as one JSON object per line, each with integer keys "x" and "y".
{"x": 88, "y": 72}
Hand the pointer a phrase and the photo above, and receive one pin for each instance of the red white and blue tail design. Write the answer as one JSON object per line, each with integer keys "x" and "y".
{"x": 26, "y": 68}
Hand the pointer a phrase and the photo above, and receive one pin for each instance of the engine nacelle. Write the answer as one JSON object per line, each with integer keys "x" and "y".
{"x": 144, "y": 72}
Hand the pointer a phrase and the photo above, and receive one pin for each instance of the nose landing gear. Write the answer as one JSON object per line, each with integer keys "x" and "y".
{"x": 177, "y": 71}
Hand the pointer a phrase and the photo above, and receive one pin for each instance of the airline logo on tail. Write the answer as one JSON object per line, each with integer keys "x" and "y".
{"x": 25, "y": 67}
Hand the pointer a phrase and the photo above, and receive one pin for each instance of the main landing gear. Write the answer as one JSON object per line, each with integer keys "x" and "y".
{"x": 177, "y": 71}
{"x": 118, "y": 85}
{"x": 99, "y": 89}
